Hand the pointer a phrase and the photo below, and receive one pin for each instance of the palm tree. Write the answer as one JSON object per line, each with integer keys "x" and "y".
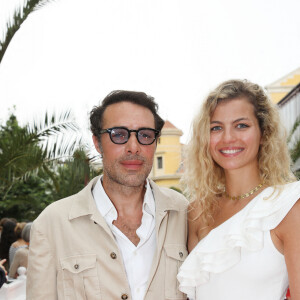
{"x": 76, "y": 172}
{"x": 19, "y": 16}
{"x": 294, "y": 141}
{"x": 294, "y": 147}
{"x": 32, "y": 154}
{"x": 27, "y": 150}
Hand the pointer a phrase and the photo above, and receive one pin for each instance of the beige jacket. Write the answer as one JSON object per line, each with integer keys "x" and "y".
{"x": 74, "y": 256}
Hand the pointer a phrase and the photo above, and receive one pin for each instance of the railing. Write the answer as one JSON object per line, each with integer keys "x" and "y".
{"x": 15, "y": 289}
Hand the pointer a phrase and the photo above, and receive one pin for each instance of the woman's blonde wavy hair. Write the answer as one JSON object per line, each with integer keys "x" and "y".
{"x": 203, "y": 178}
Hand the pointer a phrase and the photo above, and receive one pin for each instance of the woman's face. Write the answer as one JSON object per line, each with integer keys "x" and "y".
{"x": 235, "y": 135}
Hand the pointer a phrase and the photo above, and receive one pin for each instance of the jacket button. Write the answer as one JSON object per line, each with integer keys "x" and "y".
{"x": 124, "y": 296}
{"x": 113, "y": 255}
{"x": 76, "y": 266}
{"x": 181, "y": 254}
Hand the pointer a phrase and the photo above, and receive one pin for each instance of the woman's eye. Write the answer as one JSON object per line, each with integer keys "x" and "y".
{"x": 215, "y": 128}
{"x": 242, "y": 125}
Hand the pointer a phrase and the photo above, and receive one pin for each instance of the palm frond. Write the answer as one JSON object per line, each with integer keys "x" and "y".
{"x": 19, "y": 16}
{"x": 57, "y": 135}
{"x": 295, "y": 126}
{"x": 41, "y": 3}
{"x": 295, "y": 151}
{"x": 25, "y": 151}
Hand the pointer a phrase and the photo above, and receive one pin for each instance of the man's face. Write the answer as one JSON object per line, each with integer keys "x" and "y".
{"x": 128, "y": 164}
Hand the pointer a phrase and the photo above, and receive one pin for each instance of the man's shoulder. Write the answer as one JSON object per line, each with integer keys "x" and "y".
{"x": 57, "y": 208}
{"x": 63, "y": 207}
{"x": 169, "y": 192}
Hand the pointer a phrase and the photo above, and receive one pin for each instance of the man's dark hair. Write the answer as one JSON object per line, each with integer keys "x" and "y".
{"x": 139, "y": 98}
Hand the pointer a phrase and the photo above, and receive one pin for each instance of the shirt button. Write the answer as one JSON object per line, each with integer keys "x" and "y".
{"x": 181, "y": 254}
{"x": 124, "y": 296}
{"x": 76, "y": 266}
{"x": 113, "y": 255}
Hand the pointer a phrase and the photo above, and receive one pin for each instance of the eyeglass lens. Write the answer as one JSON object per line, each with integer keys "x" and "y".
{"x": 121, "y": 136}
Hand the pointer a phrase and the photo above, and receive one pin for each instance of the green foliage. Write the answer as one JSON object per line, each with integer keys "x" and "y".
{"x": 295, "y": 147}
{"x": 176, "y": 189}
{"x": 35, "y": 168}
{"x": 73, "y": 174}
{"x": 295, "y": 151}
{"x": 26, "y": 199}
{"x": 297, "y": 174}
{"x": 19, "y": 152}
{"x": 28, "y": 163}
{"x": 19, "y": 16}
{"x": 24, "y": 151}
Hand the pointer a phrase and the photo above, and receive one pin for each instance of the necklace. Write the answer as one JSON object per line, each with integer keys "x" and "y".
{"x": 258, "y": 187}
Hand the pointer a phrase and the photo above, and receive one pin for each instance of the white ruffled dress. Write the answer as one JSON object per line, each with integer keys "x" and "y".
{"x": 238, "y": 260}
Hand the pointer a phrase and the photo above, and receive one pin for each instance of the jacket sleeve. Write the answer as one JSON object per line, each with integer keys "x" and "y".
{"x": 41, "y": 271}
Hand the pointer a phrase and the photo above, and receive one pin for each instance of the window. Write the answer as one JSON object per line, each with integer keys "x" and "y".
{"x": 159, "y": 162}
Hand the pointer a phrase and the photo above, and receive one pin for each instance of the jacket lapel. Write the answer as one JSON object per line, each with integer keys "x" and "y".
{"x": 84, "y": 204}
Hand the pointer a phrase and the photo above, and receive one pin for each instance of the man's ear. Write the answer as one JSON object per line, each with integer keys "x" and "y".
{"x": 97, "y": 144}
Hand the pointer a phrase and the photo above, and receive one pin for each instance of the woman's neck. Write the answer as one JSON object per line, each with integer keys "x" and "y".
{"x": 238, "y": 182}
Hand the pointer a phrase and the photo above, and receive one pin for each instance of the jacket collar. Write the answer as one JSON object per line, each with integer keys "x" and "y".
{"x": 163, "y": 201}
{"x": 84, "y": 203}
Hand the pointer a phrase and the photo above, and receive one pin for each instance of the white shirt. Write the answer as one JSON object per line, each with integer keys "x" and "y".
{"x": 137, "y": 259}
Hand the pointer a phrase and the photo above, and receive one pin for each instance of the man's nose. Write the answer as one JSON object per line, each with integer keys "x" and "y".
{"x": 133, "y": 145}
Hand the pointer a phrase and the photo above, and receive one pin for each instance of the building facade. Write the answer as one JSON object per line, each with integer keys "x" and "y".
{"x": 285, "y": 92}
{"x": 167, "y": 166}
{"x": 281, "y": 87}
{"x": 289, "y": 107}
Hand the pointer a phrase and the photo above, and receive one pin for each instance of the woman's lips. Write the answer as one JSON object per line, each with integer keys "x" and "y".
{"x": 231, "y": 151}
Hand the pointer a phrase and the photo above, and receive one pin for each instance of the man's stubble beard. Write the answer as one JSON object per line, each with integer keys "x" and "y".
{"x": 131, "y": 178}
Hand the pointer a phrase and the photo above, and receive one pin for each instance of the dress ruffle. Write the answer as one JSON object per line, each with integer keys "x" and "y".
{"x": 221, "y": 248}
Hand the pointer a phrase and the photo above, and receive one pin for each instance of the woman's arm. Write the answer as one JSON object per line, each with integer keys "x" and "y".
{"x": 193, "y": 223}
{"x": 14, "y": 266}
{"x": 288, "y": 231}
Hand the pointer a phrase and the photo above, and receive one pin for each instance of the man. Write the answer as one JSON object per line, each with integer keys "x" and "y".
{"x": 122, "y": 236}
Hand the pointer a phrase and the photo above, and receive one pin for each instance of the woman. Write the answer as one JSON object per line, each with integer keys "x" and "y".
{"x": 19, "y": 243}
{"x": 7, "y": 238}
{"x": 244, "y": 216}
{"x": 21, "y": 256}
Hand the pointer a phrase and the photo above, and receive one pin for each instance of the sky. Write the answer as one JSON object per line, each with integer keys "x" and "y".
{"x": 70, "y": 54}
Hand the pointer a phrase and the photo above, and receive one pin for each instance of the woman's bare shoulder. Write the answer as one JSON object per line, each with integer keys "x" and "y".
{"x": 198, "y": 227}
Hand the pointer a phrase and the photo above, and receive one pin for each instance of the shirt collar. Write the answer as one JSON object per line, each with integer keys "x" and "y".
{"x": 106, "y": 207}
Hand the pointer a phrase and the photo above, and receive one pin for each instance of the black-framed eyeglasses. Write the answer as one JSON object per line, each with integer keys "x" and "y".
{"x": 121, "y": 135}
